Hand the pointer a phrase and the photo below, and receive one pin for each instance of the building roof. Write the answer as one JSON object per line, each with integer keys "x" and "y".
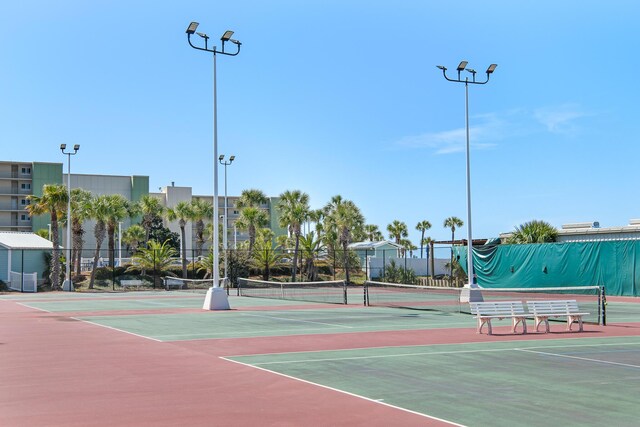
{"x": 17, "y": 240}
{"x": 373, "y": 245}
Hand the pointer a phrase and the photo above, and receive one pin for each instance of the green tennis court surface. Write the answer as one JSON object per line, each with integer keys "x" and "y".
{"x": 574, "y": 382}
{"x": 244, "y": 324}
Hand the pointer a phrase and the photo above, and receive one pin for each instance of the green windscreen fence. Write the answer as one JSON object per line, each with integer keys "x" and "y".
{"x": 612, "y": 264}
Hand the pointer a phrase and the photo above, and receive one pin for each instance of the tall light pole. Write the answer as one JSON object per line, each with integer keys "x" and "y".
{"x": 68, "y": 284}
{"x": 463, "y": 67}
{"x": 211, "y": 300}
{"x": 225, "y": 245}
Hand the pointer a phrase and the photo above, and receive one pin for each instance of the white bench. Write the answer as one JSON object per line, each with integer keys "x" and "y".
{"x": 485, "y": 311}
{"x": 132, "y": 282}
{"x": 168, "y": 282}
{"x": 542, "y": 310}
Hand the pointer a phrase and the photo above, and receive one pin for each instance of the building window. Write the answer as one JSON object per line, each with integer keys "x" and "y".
{"x": 26, "y": 186}
{"x": 24, "y": 217}
{"x": 26, "y": 171}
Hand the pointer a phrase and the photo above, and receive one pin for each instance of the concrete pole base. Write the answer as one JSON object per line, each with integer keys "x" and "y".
{"x": 471, "y": 294}
{"x": 216, "y": 299}
{"x": 67, "y": 285}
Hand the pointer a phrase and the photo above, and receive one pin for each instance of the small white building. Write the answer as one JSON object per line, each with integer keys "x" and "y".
{"x": 23, "y": 253}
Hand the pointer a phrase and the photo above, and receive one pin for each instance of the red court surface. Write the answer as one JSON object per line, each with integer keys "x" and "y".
{"x": 56, "y": 371}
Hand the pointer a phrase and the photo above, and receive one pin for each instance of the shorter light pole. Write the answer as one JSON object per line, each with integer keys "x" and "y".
{"x": 67, "y": 285}
{"x": 226, "y": 216}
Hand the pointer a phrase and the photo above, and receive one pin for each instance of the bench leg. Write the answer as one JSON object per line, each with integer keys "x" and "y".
{"x": 574, "y": 319}
{"x": 515, "y": 324}
{"x": 481, "y": 323}
{"x": 539, "y": 320}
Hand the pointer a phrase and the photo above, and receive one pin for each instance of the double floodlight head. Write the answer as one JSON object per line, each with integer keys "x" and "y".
{"x": 231, "y": 159}
{"x": 63, "y": 147}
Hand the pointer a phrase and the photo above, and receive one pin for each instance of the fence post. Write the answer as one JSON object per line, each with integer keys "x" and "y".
{"x": 384, "y": 264}
{"x": 366, "y": 264}
{"x": 21, "y": 272}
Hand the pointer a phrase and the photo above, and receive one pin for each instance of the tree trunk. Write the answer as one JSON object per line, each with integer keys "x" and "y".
{"x": 184, "y": 252}
{"x": 55, "y": 255}
{"x": 111, "y": 231}
{"x": 99, "y": 233}
{"x": 294, "y": 270}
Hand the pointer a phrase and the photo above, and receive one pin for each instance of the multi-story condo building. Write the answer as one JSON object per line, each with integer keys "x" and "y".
{"x": 18, "y": 180}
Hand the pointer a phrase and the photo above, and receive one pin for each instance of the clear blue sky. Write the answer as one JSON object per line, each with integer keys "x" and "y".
{"x": 341, "y": 97}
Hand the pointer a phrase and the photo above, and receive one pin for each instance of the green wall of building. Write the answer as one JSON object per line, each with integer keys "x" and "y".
{"x": 43, "y": 173}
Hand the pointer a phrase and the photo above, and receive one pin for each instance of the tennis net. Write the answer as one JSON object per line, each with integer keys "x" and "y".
{"x": 330, "y": 291}
{"x": 171, "y": 283}
{"x": 591, "y": 299}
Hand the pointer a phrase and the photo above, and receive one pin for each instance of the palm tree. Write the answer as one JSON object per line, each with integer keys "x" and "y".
{"x": 294, "y": 211}
{"x": 150, "y": 208}
{"x": 310, "y": 247}
{"x": 422, "y": 226}
{"x": 407, "y": 245}
{"x": 252, "y": 216}
{"x": 156, "y": 256}
{"x": 118, "y": 209}
{"x": 251, "y": 197}
{"x": 201, "y": 210}
{"x": 397, "y": 231}
{"x": 373, "y": 233}
{"x": 453, "y": 222}
{"x": 133, "y": 236}
{"x": 428, "y": 241}
{"x": 80, "y": 211}
{"x": 100, "y": 213}
{"x": 346, "y": 220}
{"x": 53, "y": 201}
{"x": 534, "y": 231}
{"x": 182, "y": 212}
{"x": 265, "y": 256}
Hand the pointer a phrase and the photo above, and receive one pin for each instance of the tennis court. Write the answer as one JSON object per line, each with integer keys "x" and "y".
{"x": 160, "y": 359}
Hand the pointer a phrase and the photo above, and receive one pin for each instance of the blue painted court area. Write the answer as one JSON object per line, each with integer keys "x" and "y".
{"x": 568, "y": 382}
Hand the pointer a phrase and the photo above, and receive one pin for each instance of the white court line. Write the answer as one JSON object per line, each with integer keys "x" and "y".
{"x": 116, "y": 329}
{"x": 298, "y": 320}
{"x": 34, "y": 308}
{"x": 96, "y": 324}
{"x": 587, "y": 359}
{"x": 379, "y": 402}
{"x": 427, "y": 353}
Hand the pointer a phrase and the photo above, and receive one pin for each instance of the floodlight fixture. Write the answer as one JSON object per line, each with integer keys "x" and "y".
{"x": 63, "y": 147}
{"x": 441, "y": 67}
{"x": 221, "y": 158}
{"x": 462, "y": 65}
{"x": 471, "y": 70}
{"x": 226, "y": 36}
{"x": 203, "y": 35}
{"x": 76, "y": 147}
{"x": 232, "y": 158}
{"x": 192, "y": 28}
{"x": 491, "y": 68}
